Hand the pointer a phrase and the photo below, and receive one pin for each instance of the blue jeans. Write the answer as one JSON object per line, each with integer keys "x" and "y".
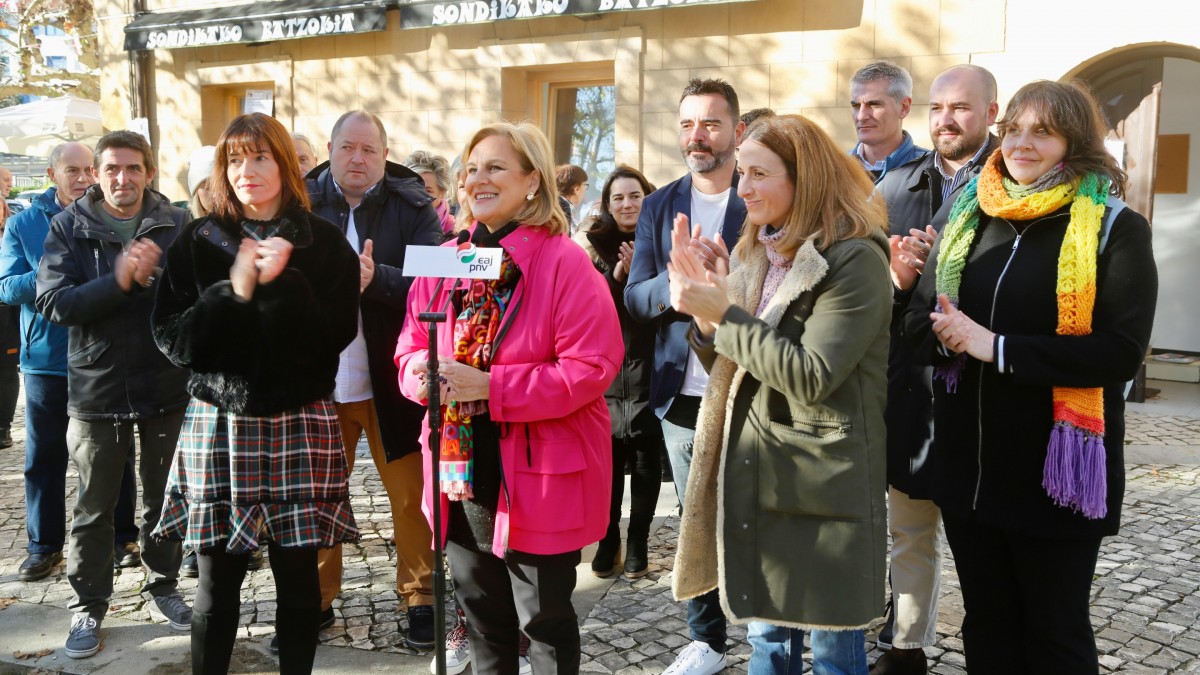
{"x": 705, "y": 619}
{"x": 679, "y": 432}
{"x": 46, "y": 469}
{"x": 778, "y": 651}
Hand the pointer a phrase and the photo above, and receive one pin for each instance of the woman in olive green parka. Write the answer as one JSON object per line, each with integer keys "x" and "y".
{"x": 790, "y": 438}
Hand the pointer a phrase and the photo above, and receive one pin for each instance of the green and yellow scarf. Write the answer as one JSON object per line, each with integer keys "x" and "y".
{"x": 1074, "y": 474}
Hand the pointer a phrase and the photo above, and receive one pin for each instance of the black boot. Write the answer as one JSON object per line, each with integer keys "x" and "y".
{"x": 213, "y": 636}
{"x": 637, "y": 563}
{"x": 297, "y": 630}
{"x": 607, "y": 559}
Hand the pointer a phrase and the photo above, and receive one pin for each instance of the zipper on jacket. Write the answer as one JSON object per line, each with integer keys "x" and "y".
{"x": 979, "y": 392}
{"x": 29, "y": 339}
{"x": 992, "y": 322}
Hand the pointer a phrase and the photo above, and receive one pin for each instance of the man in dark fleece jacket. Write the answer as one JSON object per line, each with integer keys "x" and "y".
{"x": 97, "y": 277}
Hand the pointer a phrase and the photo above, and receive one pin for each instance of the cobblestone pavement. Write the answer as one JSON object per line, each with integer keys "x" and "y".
{"x": 1146, "y": 608}
{"x": 1152, "y": 429}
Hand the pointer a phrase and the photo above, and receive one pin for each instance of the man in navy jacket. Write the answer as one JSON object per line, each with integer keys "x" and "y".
{"x": 709, "y": 131}
{"x": 97, "y": 277}
{"x": 382, "y": 208}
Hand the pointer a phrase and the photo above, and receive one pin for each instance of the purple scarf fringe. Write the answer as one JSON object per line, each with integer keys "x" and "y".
{"x": 951, "y": 372}
{"x": 1074, "y": 475}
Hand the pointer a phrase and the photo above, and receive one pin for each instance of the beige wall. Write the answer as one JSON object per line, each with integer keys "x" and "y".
{"x": 434, "y": 87}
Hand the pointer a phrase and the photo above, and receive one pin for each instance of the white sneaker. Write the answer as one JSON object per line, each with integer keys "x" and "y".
{"x": 697, "y": 659}
{"x": 524, "y": 666}
{"x": 458, "y": 651}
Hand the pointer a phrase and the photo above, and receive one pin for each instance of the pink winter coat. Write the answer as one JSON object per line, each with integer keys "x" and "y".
{"x": 548, "y": 379}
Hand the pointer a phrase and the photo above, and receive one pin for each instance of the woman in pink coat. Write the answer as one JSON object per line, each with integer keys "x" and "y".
{"x": 524, "y": 464}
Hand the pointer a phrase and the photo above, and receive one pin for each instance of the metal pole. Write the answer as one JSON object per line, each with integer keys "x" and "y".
{"x": 434, "y": 404}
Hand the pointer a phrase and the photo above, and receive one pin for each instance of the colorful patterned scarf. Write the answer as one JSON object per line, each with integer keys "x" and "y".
{"x": 475, "y": 331}
{"x": 1074, "y": 473}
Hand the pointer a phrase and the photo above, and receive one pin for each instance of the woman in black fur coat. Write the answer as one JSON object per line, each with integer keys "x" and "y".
{"x": 259, "y": 298}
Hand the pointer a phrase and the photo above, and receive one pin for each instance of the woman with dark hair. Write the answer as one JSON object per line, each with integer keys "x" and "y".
{"x": 784, "y": 509}
{"x": 523, "y": 465}
{"x": 636, "y": 432}
{"x": 258, "y": 300}
{"x": 1042, "y": 304}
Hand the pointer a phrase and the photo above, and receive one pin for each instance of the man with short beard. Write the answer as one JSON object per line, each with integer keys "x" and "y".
{"x": 709, "y": 130}
{"x": 920, "y": 194}
{"x": 98, "y": 277}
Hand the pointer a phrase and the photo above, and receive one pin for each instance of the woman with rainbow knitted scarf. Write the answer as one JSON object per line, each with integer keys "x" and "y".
{"x": 1043, "y": 301}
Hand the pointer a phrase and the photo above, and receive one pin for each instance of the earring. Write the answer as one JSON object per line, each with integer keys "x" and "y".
{"x": 529, "y": 197}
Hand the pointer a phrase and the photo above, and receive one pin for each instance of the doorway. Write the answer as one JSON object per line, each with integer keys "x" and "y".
{"x": 1150, "y": 96}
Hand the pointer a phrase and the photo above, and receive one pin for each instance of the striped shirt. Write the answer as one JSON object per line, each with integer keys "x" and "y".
{"x": 951, "y": 182}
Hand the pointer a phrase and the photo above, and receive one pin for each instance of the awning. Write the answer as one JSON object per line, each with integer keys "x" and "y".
{"x": 35, "y": 128}
{"x": 255, "y": 22}
{"x": 423, "y": 13}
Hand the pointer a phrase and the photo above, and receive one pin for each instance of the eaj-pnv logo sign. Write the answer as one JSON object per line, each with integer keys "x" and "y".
{"x": 466, "y": 252}
{"x": 463, "y": 261}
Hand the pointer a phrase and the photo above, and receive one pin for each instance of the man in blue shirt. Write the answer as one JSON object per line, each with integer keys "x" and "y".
{"x": 881, "y": 97}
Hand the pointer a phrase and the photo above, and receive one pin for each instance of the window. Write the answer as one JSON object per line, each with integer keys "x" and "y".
{"x": 584, "y": 134}
{"x": 220, "y": 104}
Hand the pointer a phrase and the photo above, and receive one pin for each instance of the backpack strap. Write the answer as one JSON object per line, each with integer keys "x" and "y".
{"x": 1115, "y": 206}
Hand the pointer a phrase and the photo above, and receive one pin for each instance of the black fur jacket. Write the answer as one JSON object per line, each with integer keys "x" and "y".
{"x": 280, "y": 350}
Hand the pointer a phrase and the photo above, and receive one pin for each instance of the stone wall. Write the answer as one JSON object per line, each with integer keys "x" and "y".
{"x": 434, "y": 86}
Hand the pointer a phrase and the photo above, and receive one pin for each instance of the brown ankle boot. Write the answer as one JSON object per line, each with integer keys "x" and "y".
{"x": 900, "y": 662}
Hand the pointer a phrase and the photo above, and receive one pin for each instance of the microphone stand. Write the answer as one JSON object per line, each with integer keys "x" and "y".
{"x": 434, "y": 407}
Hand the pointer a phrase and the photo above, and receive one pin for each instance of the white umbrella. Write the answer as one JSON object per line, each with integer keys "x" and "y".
{"x": 35, "y": 128}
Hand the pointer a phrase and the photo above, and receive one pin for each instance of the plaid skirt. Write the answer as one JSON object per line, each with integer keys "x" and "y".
{"x": 237, "y": 481}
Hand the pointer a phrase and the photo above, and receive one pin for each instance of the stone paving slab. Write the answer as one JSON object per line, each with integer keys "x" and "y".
{"x": 1146, "y": 608}
{"x": 1145, "y": 604}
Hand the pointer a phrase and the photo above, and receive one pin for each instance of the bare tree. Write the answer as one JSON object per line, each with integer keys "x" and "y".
{"x": 30, "y": 74}
{"x": 594, "y": 130}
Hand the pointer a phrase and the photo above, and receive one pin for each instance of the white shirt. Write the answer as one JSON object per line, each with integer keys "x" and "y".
{"x": 708, "y": 211}
{"x": 353, "y": 381}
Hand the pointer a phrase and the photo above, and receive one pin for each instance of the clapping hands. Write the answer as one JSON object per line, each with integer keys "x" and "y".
{"x": 960, "y": 334}
{"x": 137, "y": 264}
{"x": 696, "y": 288}
{"x": 258, "y": 262}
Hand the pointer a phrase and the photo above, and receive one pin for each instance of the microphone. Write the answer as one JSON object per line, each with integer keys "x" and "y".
{"x": 463, "y": 237}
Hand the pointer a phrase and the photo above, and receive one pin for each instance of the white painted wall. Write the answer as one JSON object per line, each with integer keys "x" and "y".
{"x": 1177, "y": 218}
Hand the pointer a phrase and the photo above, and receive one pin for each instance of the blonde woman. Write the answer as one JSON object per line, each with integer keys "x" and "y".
{"x": 525, "y": 465}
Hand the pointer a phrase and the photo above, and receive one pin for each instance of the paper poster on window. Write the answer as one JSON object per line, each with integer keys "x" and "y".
{"x": 259, "y": 100}
{"x": 141, "y": 125}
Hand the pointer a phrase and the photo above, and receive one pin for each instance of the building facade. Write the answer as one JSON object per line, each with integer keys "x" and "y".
{"x": 603, "y": 77}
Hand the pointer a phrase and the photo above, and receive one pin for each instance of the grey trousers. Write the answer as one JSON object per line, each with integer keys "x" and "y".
{"x": 99, "y": 449}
